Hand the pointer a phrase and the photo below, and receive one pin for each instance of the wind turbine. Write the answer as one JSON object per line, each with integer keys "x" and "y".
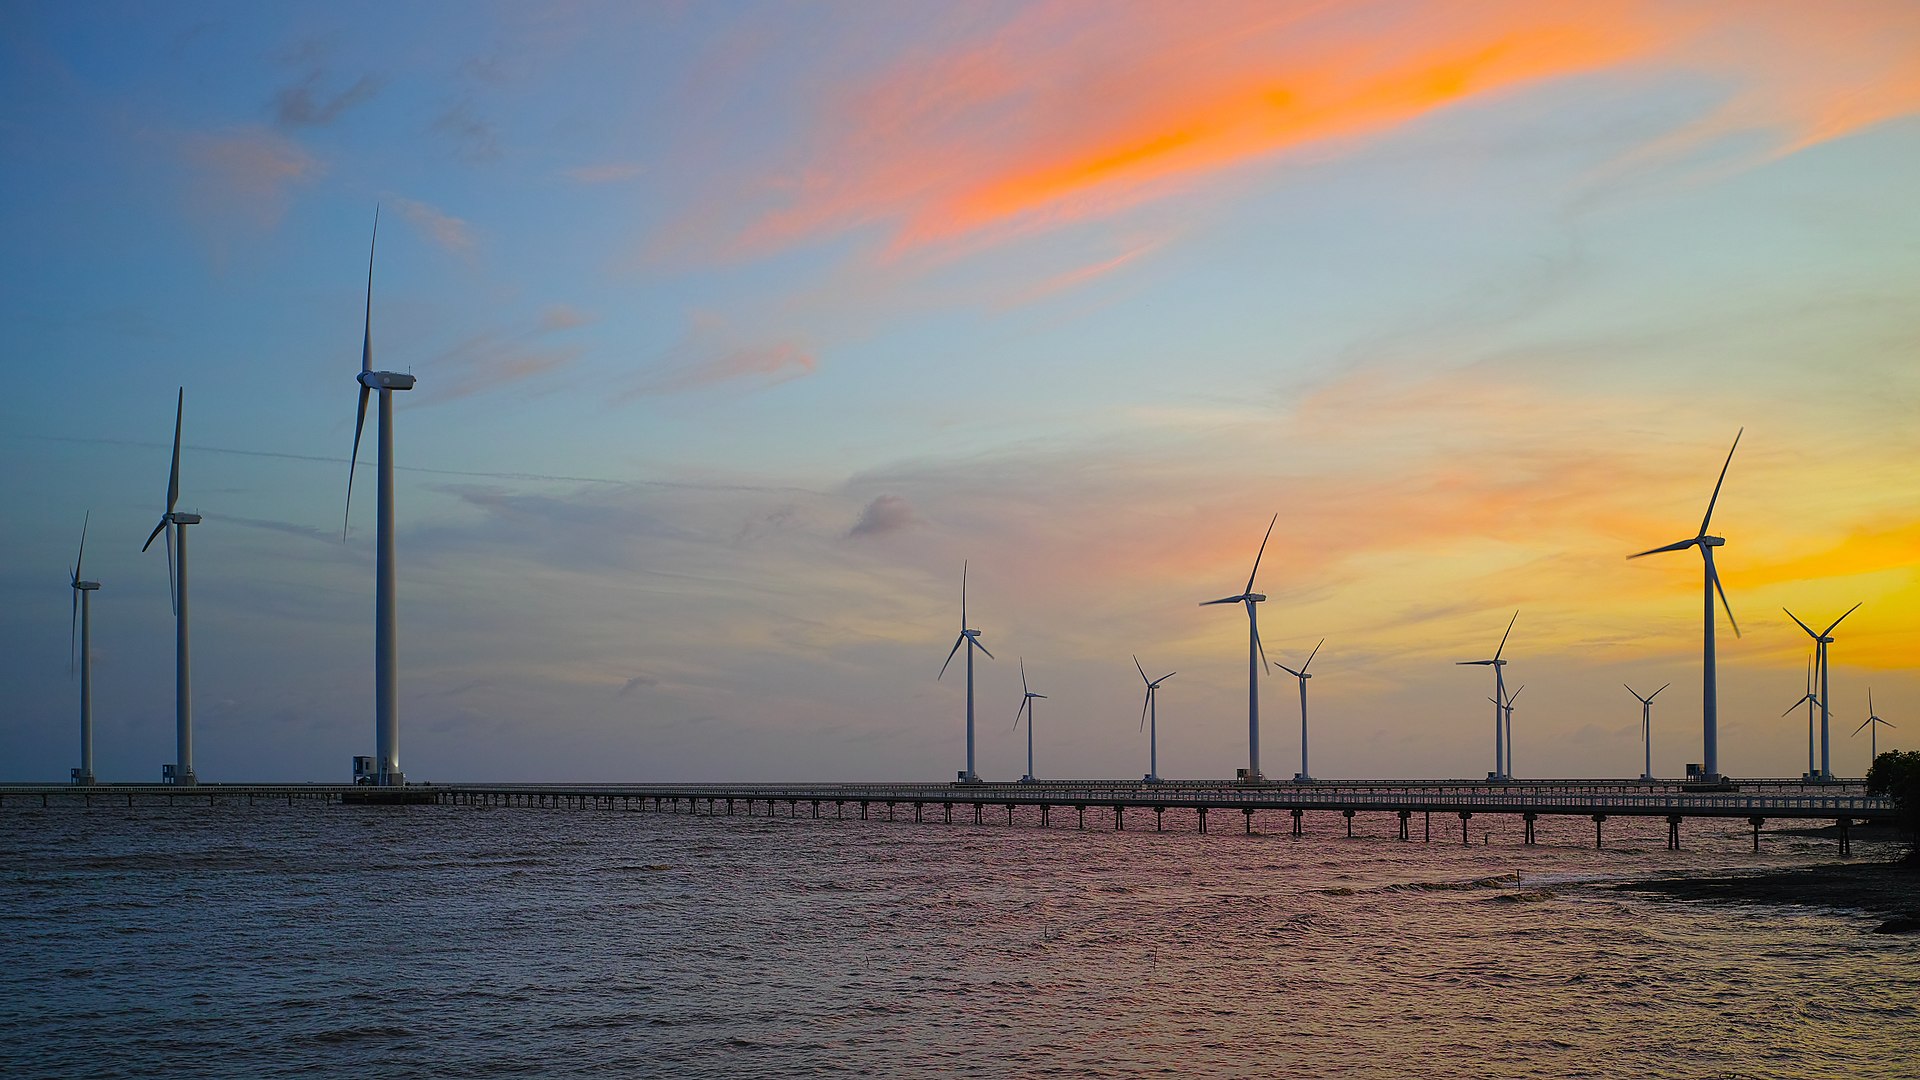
{"x": 1508, "y": 708}
{"x": 1026, "y": 706}
{"x": 386, "y": 665}
{"x": 1150, "y": 714}
{"x": 1709, "y": 689}
{"x": 83, "y": 622}
{"x": 1811, "y": 701}
{"x": 1303, "y": 677}
{"x": 1500, "y": 693}
{"x": 1820, "y": 642}
{"x": 1646, "y": 727}
{"x": 1872, "y": 727}
{"x": 182, "y": 767}
{"x": 1256, "y": 655}
{"x": 971, "y": 639}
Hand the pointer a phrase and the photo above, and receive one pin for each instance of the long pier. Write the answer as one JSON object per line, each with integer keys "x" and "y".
{"x": 1844, "y": 803}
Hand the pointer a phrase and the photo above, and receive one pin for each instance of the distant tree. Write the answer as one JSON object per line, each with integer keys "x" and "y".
{"x": 1896, "y": 774}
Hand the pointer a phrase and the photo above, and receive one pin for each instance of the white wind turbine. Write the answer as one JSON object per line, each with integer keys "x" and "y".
{"x": 1508, "y": 709}
{"x": 1303, "y": 677}
{"x": 1026, "y": 706}
{"x": 1710, "y": 691}
{"x": 1150, "y": 720}
{"x": 82, "y": 622}
{"x": 971, "y": 639}
{"x": 1820, "y": 642}
{"x": 182, "y": 767}
{"x": 1256, "y": 655}
{"x": 1646, "y": 728}
{"x": 386, "y": 665}
{"x": 1810, "y": 701}
{"x": 1500, "y": 692}
{"x": 1872, "y": 727}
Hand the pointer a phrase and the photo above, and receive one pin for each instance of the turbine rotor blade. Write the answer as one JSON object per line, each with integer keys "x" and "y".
{"x": 154, "y": 535}
{"x": 1723, "y": 599}
{"x": 1165, "y": 677}
{"x": 1311, "y": 655}
{"x": 1148, "y": 700}
{"x": 173, "y": 589}
{"x": 73, "y": 630}
{"x": 1253, "y": 626}
{"x": 81, "y": 558}
{"x": 1141, "y": 670}
{"x": 963, "y": 594}
{"x": 1862, "y": 727}
{"x": 1804, "y": 626}
{"x": 1262, "y": 551}
{"x": 1023, "y": 676}
{"x": 1290, "y": 671}
{"x": 173, "y": 475}
{"x": 1722, "y": 480}
{"x": 1224, "y": 600}
{"x": 955, "y": 649}
{"x": 1678, "y": 545}
{"x": 982, "y": 648}
{"x": 1656, "y": 693}
{"x": 1503, "y": 637}
{"x": 366, "y": 339}
{"x": 359, "y": 422}
{"x": 1841, "y": 619}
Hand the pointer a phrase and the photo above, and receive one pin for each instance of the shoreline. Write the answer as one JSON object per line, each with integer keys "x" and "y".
{"x": 1890, "y": 890}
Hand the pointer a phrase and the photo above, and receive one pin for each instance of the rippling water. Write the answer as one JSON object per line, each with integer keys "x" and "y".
{"x": 416, "y": 941}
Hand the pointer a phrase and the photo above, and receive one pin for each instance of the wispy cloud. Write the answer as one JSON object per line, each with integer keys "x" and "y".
{"x": 476, "y": 140}
{"x": 711, "y": 355}
{"x": 885, "y": 514}
{"x": 449, "y": 232}
{"x": 308, "y": 104}
{"x": 248, "y": 171}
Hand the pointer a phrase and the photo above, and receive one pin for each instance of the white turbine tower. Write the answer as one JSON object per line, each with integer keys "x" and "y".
{"x": 1810, "y": 701}
{"x": 1150, "y": 720}
{"x": 1500, "y": 692}
{"x": 971, "y": 639}
{"x": 1026, "y": 706}
{"x": 1256, "y": 655}
{"x": 82, "y": 623}
{"x": 1646, "y": 728}
{"x": 1709, "y": 688}
{"x": 1303, "y": 677}
{"x": 1508, "y": 709}
{"x": 182, "y": 768}
{"x": 1872, "y": 727}
{"x": 1820, "y": 642}
{"x": 386, "y": 665}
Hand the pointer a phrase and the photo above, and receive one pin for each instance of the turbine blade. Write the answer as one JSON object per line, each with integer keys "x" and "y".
{"x": 963, "y": 594}
{"x": 1804, "y": 626}
{"x": 359, "y": 422}
{"x": 1289, "y": 671}
{"x": 1223, "y": 600}
{"x": 1165, "y": 677}
{"x": 1862, "y": 727}
{"x": 1311, "y": 655}
{"x": 366, "y": 339}
{"x": 1635, "y": 693}
{"x": 1141, "y": 670}
{"x": 1722, "y": 480}
{"x": 1016, "y": 715}
{"x": 173, "y": 590}
{"x": 1721, "y": 589}
{"x": 955, "y": 649}
{"x": 1262, "y": 551}
{"x": 1841, "y": 619}
{"x": 1023, "y": 675}
{"x": 1042, "y": 697}
{"x": 154, "y": 535}
{"x": 81, "y": 558}
{"x": 1678, "y": 545}
{"x": 1471, "y": 663}
{"x": 1148, "y": 700}
{"x": 982, "y": 648}
{"x": 1503, "y": 637}
{"x": 73, "y": 632}
{"x": 173, "y": 475}
{"x": 1253, "y": 626}
{"x": 1656, "y": 693}
{"x": 1515, "y": 694}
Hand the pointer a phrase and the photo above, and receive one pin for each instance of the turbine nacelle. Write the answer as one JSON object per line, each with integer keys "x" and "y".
{"x": 1710, "y": 541}
{"x": 86, "y": 586}
{"x": 384, "y": 380}
{"x": 182, "y": 519}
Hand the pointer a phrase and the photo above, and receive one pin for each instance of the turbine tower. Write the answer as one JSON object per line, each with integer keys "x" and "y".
{"x": 82, "y": 622}
{"x": 1810, "y": 701}
{"x": 1500, "y": 693}
{"x": 1150, "y": 720}
{"x": 386, "y": 665}
{"x": 1303, "y": 677}
{"x": 1026, "y": 706}
{"x": 1256, "y": 655}
{"x": 1820, "y": 642}
{"x": 1709, "y": 688}
{"x": 1872, "y": 727}
{"x": 1508, "y": 709}
{"x": 1646, "y": 728}
{"x": 971, "y": 639}
{"x": 182, "y": 768}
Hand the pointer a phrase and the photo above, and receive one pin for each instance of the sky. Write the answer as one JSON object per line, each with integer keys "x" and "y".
{"x": 740, "y": 327}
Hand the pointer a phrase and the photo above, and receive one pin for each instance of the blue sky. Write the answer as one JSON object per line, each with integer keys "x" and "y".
{"x": 739, "y": 327}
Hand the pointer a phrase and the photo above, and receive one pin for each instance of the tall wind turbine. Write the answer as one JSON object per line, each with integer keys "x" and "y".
{"x": 1256, "y": 655}
{"x": 1303, "y": 677}
{"x": 1500, "y": 693}
{"x": 1646, "y": 728}
{"x": 1872, "y": 727}
{"x": 177, "y": 587}
{"x": 386, "y": 664}
{"x": 1150, "y": 720}
{"x": 1026, "y": 706}
{"x": 82, "y": 621}
{"x": 971, "y": 639}
{"x": 1810, "y": 701}
{"x": 1820, "y": 642}
{"x": 1508, "y": 709}
{"x": 1709, "y": 688}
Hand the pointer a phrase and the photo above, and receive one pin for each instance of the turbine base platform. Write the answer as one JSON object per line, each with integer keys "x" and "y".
{"x": 387, "y": 796}
{"x": 1714, "y": 784}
